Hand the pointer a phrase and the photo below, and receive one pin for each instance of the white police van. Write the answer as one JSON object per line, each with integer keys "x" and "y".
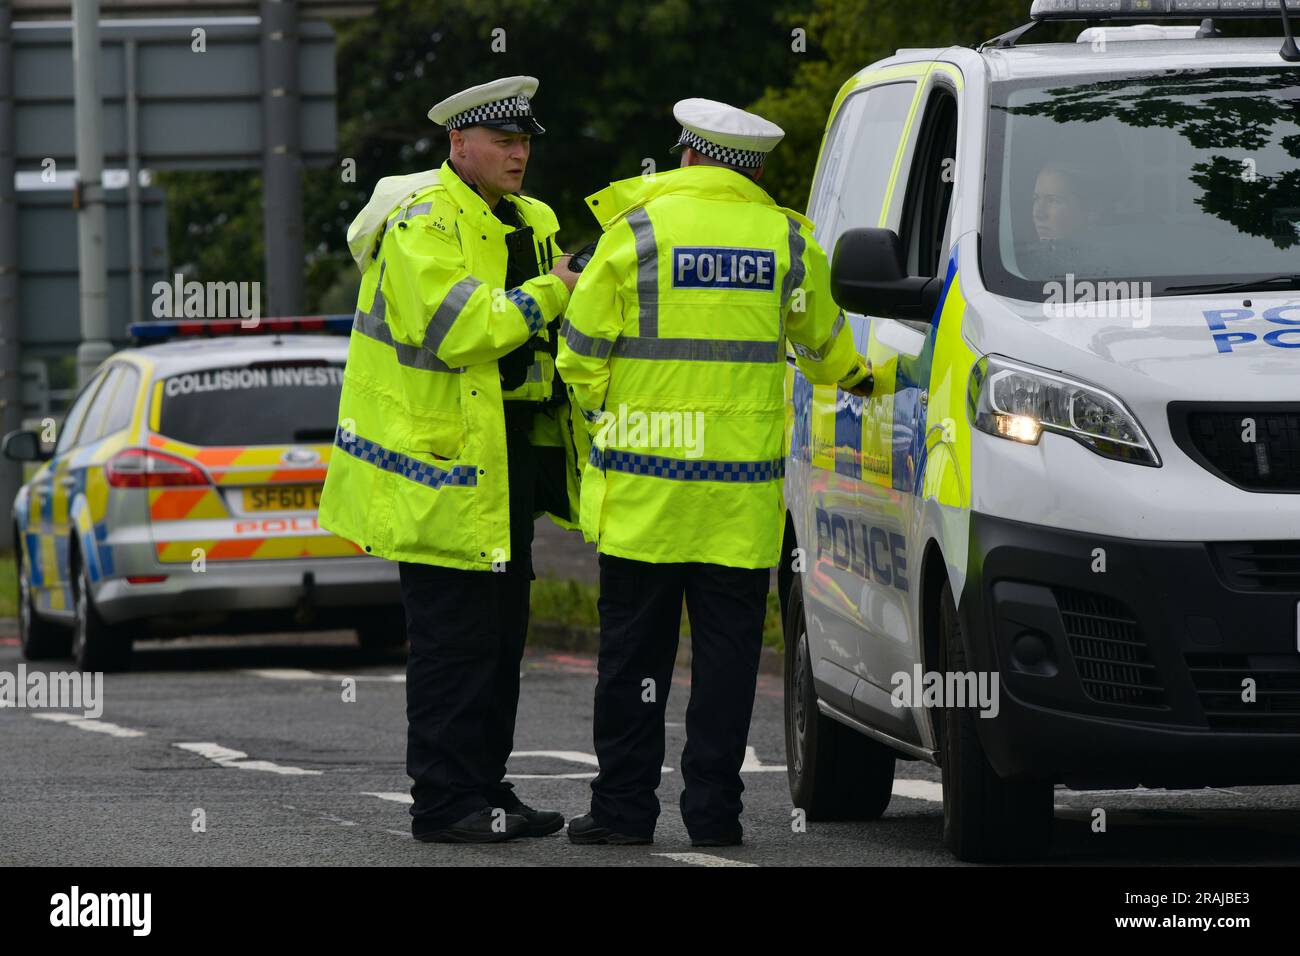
{"x": 1060, "y": 543}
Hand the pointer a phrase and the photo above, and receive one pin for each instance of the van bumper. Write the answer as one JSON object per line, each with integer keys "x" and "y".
{"x": 1122, "y": 661}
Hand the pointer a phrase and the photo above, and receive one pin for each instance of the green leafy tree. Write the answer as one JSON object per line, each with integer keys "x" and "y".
{"x": 610, "y": 72}
{"x": 843, "y": 37}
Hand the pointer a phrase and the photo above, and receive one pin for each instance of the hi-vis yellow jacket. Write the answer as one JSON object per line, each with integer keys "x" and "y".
{"x": 674, "y": 348}
{"x": 418, "y": 469}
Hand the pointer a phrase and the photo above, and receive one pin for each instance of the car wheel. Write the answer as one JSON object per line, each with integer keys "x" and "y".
{"x": 835, "y": 772}
{"x": 38, "y": 639}
{"x": 985, "y": 818}
{"x": 384, "y": 630}
{"x": 96, "y": 644}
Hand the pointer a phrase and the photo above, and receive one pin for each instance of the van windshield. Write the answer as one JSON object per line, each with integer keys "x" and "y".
{"x": 1179, "y": 178}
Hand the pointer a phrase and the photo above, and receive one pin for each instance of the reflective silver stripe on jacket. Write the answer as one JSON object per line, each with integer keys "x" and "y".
{"x": 374, "y": 327}
{"x": 647, "y": 271}
{"x": 793, "y": 278}
{"x": 585, "y": 344}
{"x": 697, "y": 350}
{"x": 819, "y": 354}
{"x": 379, "y": 306}
{"x": 419, "y": 209}
{"x": 452, "y": 305}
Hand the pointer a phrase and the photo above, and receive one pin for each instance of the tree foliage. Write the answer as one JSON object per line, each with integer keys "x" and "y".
{"x": 610, "y": 72}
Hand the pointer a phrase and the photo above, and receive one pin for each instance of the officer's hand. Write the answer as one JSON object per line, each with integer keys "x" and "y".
{"x": 862, "y": 388}
{"x": 567, "y": 275}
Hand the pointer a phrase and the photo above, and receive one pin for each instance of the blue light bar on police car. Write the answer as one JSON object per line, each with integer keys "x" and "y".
{"x": 1156, "y": 9}
{"x": 177, "y": 328}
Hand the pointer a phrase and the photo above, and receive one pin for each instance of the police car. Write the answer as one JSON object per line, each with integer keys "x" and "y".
{"x": 1060, "y": 543}
{"x": 181, "y": 495}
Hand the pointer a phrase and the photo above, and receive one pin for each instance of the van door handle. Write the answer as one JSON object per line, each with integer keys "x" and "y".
{"x": 67, "y": 481}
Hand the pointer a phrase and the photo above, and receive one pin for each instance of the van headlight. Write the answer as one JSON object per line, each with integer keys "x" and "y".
{"x": 1020, "y": 402}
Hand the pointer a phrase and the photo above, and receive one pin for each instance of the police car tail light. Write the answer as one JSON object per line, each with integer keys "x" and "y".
{"x": 146, "y": 468}
{"x": 1020, "y": 402}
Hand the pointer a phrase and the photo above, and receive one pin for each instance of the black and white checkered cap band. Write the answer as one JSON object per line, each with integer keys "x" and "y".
{"x": 745, "y": 158}
{"x": 509, "y": 108}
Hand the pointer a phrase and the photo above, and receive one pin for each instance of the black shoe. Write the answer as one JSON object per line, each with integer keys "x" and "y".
{"x": 722, "y": 839}
{"x": 481, "y": 826}
{"x": 585, "y": 831}
{"x": 540, "y": 822}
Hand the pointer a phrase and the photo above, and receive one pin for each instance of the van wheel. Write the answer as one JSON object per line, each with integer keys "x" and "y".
{"x": 385, "y": 630}
{"x": 985, "y": 818}
{"x": 39, "y": 640}
{"x": 96, "y": 644}
{"x": 835, "y": 772}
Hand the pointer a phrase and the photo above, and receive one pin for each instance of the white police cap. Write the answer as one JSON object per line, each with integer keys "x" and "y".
{"x": 725, "y": 133}
{"x": 502, "y": 104}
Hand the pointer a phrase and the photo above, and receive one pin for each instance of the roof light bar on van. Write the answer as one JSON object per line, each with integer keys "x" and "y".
{"x": 1156, "y": 9}
{"x": 162, "y": 329}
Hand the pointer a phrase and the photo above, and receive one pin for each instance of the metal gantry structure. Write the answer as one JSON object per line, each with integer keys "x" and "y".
{"x": 280, "y": 41}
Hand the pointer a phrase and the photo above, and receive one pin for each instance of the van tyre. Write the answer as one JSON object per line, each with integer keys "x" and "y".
{"x": 38, "y": 639}
{"x": 835, "y": 772}
{"x": 96, "y": 644}
{"x": 985, "y": 818}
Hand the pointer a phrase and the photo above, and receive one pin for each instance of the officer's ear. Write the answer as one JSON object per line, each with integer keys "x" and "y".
{"x": 757, "y": 174}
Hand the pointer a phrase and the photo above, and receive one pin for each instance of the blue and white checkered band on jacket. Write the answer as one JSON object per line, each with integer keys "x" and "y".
{"x": 509, "y": 108}
{"x": 744, "y": 158}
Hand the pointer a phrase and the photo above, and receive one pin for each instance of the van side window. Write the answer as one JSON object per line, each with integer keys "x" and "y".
{"x": 929, "y": 187}
{"x": 859, "y": 157}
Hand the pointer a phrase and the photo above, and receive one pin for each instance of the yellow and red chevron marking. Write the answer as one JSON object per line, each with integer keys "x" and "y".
{"x": 257, "y": 549}
{"x": 174, "y": 504}
{"x": 251, "y": 465}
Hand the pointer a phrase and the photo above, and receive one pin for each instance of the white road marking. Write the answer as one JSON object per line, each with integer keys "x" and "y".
{"x": 1148, "y": 792}
{"x": 753, "y": 765}
{"x": 573, "y": 756}
{"x": 237, "y": 758}
{"x": 389, "y": 795}
{"x": 933, "y": 791}
{"x": 298, "y": 673}
{"x": 918, "y": 789}
{"x": 94, "y": 725}
{"x": 702, "y": 859}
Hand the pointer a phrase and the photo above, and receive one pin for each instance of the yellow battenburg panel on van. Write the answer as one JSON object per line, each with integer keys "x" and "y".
{"x": 947, "y": 426}
{"x": 878, "y": 416}
{"x": 821, "y": 426}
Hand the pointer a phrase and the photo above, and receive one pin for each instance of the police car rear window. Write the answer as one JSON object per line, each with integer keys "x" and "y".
{"x": 260, "y": 404}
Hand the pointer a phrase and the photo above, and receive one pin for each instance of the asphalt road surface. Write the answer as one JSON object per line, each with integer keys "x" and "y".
{"x": 255, "y": 734}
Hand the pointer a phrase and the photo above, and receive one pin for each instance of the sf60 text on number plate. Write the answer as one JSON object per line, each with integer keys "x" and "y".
{"x": 282, "y": 498}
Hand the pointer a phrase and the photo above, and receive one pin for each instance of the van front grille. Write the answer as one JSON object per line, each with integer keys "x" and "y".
{"x": 1259, "y": 565}
{"x": 1220, "y": 685}
{"x": 1255, "y": 448}
{"x": 1109, "y": 651}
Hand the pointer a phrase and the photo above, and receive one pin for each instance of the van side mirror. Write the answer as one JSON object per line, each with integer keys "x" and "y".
{"x": 24, "y": 446}
{"x": 869, "y": 277}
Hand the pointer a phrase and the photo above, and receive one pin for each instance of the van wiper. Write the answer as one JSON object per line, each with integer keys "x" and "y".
{"x": 1253, "y": 285}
